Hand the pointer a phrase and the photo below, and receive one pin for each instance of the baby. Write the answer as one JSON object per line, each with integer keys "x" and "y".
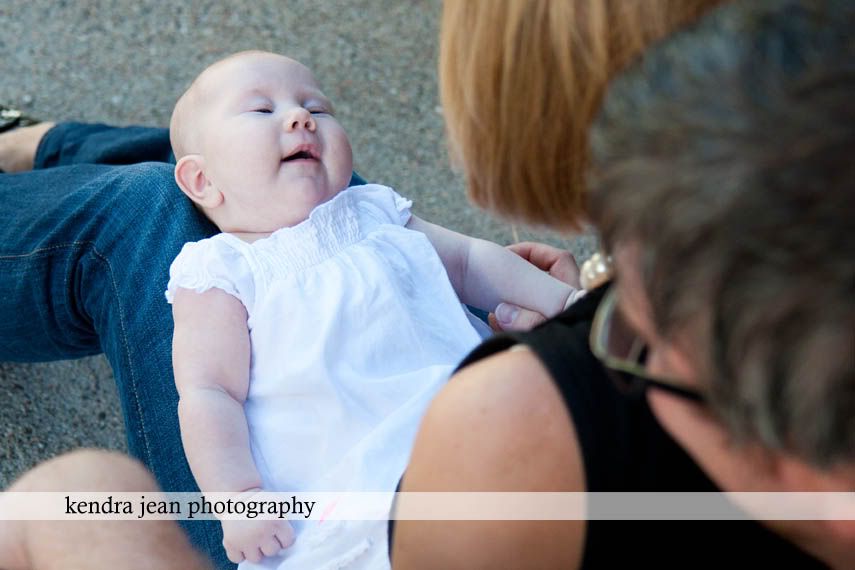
{"x": 312, "y": 333}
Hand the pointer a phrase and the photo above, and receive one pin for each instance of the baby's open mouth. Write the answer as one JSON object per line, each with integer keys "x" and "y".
{"x": 299, "y": 155}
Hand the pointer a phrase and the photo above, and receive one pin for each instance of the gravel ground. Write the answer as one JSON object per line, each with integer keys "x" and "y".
{"x": 126, "y": 61}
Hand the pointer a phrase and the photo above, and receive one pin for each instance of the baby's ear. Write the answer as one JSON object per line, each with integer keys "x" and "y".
{"x": 190, "y": 176}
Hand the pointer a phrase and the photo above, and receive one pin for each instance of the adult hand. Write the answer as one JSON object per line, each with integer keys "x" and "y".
{"x": 559, "y": 263}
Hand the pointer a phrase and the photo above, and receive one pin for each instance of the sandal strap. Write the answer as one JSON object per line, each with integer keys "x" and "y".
{"x": 13, "y": 118}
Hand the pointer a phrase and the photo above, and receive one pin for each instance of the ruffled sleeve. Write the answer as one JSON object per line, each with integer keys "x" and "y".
{"x": 384, "y": 204}
{"x": 211, "y": 263}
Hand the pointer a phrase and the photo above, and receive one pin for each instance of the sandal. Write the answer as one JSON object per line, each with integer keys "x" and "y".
{"x": 13, "y": 118}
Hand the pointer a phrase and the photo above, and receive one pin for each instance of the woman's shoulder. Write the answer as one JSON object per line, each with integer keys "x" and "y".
{"x": 498, "y": 425}
{"x": 510, "y": 400}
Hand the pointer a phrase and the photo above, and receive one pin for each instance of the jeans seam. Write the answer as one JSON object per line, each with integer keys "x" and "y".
{"x": 50, "y": 248}
{"x": 126, "y": 347}
{"x": 124, "y": 335}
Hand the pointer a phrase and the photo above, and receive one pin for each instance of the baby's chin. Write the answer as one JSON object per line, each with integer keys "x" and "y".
{"x": 310, "y": 206}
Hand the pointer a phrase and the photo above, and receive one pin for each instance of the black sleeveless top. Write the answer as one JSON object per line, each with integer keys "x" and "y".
{"x": 624, "y": 448}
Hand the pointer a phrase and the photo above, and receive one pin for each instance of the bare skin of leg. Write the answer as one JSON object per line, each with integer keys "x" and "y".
{"x": 129, "y": 545}
{"x": 18, "y": 147}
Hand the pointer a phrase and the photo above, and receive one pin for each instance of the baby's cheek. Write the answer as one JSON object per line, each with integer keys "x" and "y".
{"x": 342, "y": 156}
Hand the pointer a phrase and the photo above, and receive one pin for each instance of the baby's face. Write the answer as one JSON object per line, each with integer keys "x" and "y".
{"x": 270, "y": 142}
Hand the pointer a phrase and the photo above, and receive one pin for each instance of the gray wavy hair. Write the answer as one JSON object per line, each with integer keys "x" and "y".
{"x": 728, "y": 153}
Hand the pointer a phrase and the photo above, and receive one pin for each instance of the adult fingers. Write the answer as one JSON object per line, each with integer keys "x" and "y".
{"x": 559, "y": 263}
{"x": 512, "y": 318}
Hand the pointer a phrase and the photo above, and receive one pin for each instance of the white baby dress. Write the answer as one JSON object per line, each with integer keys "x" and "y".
{"x": 354, "y": 326}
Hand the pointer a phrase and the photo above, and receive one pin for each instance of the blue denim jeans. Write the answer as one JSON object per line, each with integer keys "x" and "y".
{"x": 86, "y": 242}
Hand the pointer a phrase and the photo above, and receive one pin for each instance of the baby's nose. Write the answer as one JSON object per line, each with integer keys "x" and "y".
{"x": 300, "y": 118}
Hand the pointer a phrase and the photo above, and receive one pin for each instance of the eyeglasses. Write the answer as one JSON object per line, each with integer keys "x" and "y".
{"x": 624, "y": 353}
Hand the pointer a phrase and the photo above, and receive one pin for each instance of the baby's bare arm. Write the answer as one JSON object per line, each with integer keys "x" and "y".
{"x": 485, "y": 274}
{"x": 210, "y": 354}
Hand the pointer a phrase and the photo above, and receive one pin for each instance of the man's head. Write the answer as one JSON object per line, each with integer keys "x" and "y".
{"x": 723, "y": 184}
{"x": 257, "y": 144}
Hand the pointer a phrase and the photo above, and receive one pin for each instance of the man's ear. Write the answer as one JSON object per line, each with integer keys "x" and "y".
{"x": 190, "y": 176}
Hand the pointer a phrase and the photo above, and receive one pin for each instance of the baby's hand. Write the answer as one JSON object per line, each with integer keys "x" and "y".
{"x": 254, "y": 539}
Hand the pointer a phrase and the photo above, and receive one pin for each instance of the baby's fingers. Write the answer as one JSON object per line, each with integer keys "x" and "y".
{"x": 282, "y": 538}
{"x": 285, "y": 535}
{"x": 271, "y": 546}
{"x": 253, "y": 555}
{"x": 234, "y": 554}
